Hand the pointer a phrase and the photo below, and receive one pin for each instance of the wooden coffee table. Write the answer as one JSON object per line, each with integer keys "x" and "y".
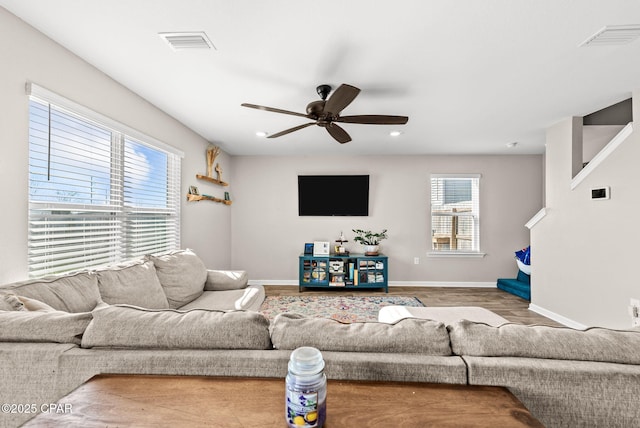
{"x": 193, "y": 401}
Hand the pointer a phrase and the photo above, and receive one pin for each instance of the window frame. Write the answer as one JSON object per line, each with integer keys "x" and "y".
{"x": 475, "y": 251}
{"x": 115, "y": 213}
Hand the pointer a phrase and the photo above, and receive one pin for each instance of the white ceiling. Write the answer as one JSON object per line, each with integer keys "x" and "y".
{"x": 471, "y": 75}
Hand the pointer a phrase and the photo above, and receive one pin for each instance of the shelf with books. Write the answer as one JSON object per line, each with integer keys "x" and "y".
{"x": 313, "y": 271}
{"x": 343, "y": 271}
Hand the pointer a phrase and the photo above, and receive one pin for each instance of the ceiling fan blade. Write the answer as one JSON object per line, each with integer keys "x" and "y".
{"x": 373, "y": 119}
{"x": 274, "y": 110}
{"x": 287, "y": 131}
{"x": 341, "y": 98}
{"x": 339, "y": 134}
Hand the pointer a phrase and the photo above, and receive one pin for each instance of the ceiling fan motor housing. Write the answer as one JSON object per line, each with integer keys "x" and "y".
{"x": 315, "y": 108}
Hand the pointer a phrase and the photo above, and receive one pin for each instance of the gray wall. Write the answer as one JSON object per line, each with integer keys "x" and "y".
{"x": 268, "y": 235}
{"x": 28, "y": 55}
{"x": 585, "y": 252}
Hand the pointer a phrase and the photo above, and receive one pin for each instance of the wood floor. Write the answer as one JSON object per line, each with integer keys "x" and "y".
{"x": 502, "y": 303}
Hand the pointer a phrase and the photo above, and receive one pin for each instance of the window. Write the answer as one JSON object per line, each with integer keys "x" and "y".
{"x": 99, "y": 192}
{"x": 455, "y": 227}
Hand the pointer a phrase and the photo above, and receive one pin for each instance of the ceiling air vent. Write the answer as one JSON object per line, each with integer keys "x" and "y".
{"x": 192, "y": 40}
{"x": 613, "y": 35}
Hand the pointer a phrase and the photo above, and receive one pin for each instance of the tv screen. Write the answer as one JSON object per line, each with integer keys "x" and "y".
{"x": 333, "y": 195}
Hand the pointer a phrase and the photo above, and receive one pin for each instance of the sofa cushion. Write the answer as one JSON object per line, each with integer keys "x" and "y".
{"x": 226, "y": 280}
{"x": 123, "y": 326}
{"x": 71, "y": 293}
{"x": 410, "y": 335}
{"x": 133, "y": 284}
{"x": 182, "y": 275}
{"x": 561, "y": 343}
{"x": 52, "y": 326}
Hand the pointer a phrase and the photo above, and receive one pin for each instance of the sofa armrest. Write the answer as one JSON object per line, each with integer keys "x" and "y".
{"x": 226, "y": 280}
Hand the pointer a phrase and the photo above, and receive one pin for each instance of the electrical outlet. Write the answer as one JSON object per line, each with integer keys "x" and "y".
{"x": 634, "y": 311}
{"x": 416, "y": 260}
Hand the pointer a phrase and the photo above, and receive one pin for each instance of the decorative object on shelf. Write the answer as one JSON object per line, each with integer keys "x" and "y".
{"x": 370, "y": 240}
{"x": 339, "y": 248}
{"x": 321, "y": 248}
{"x": 308, "y": 248}
{"x": 219, "y": 172}
{"x": 212, "y": 154}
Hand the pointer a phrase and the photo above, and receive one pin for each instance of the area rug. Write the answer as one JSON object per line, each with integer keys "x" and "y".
{"x": 342, "y": 308}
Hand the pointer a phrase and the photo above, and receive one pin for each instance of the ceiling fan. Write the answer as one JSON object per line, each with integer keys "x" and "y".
{"x": 326, "y": 112}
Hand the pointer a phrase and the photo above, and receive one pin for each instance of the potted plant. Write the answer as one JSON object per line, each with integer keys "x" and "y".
{"x": 370, "y": 240}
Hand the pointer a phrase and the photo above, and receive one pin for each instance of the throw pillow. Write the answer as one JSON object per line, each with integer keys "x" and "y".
{"x": 76, "y": 292}
{"x": 409, "y": 335}
{"x": 34, "y": 305}
{"x": 132, "y": 283}
{"x": 123, "y": 326}
{"x": 182, "y": 275}
{"x": 226, "y": 280}
{"x": 10, "y": 302}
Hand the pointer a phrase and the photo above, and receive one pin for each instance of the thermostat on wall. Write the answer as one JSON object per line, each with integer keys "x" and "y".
{"x": 600, "y": 193}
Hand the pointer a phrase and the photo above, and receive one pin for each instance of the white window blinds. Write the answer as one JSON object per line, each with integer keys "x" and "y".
{"x": 151, "y": 197}
{"x": 96, "y": 195}
{"x": 455, "y": 220}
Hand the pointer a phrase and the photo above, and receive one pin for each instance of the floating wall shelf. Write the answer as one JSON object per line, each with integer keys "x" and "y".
{"x": 211, "y": 179}
{"x": 195, "y": 198}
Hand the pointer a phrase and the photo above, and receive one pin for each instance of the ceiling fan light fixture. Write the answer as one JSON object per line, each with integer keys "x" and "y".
{"x": 261, "y": 134}
{"x": 396, "y": 133}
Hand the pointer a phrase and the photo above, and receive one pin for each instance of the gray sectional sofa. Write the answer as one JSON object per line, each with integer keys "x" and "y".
{"x": 170, "y": 315}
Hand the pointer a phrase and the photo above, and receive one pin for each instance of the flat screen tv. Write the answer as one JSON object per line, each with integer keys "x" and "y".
{"x": 333, "y": 195}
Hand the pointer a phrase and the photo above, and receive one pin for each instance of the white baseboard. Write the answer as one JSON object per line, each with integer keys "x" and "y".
{"x": 273, "y": 282}
{"x": 442, "y": 284}
{"x": 294, "y": 282}
{"x": 556, "y": 317}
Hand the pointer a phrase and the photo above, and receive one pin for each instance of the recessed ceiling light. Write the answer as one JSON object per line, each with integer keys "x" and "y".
{"x": 261, "y": 134}
{"x": 395, "y": 133}
{"x": 190, "y": 40}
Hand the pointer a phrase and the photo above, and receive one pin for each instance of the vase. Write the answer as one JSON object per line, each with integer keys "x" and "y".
{"x": 371, "y": 250}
